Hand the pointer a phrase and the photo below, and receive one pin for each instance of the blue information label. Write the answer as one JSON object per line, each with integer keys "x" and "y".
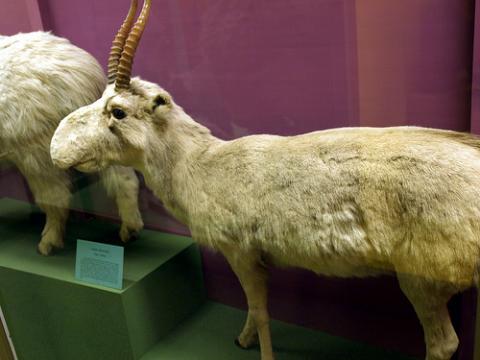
{"x": 99, "y": 264}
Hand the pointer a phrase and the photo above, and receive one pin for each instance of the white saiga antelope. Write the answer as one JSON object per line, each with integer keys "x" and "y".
{"x": 344, "y": 202}
{"x": 42, "y": 79}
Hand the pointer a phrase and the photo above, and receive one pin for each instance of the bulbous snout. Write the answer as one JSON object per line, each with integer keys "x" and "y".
{"x": 65, "y": 149}
{"x": 72, "y": 144}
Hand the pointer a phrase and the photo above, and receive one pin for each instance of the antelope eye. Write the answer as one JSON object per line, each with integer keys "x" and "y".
{"x": 118, "y": 114}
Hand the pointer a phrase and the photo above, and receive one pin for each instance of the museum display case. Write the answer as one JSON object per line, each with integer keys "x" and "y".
{"x": 145, "y": 287}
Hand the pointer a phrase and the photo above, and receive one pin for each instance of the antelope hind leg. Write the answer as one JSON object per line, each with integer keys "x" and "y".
{"x": 430, "y": 303}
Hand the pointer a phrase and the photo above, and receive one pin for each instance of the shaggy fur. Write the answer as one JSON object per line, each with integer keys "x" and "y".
{"x": 344, "y": 202}
{"x": 42, "y": 79}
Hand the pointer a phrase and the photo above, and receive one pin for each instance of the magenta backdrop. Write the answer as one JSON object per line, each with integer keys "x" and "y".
{"x": 19, "y": 16}
{"x": 287, "y": 67}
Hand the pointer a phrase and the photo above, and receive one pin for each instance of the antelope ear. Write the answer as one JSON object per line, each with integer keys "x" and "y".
{"x": 160, "y": 100}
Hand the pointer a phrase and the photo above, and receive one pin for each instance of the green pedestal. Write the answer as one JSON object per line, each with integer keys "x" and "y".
{"x": 53, "y": 316}
{"x": 210, "y": 332}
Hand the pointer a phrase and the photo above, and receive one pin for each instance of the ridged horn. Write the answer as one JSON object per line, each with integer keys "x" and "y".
{"x": 125, "y": 63}
{"x": 119, "y": 42}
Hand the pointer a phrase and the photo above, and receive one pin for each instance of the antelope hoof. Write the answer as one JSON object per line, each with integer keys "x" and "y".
{"x": 46, "y": 248}
{"x": 246, "y": 345}
{"x": 443, "y": 350}
{"x": 130, "y": 232}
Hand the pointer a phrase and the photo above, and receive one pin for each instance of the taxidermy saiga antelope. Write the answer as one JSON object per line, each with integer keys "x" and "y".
{"x": 343, "y": 202}
{"x": 42, "y": 79}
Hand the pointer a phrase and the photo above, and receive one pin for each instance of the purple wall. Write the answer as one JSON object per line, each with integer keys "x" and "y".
{"x": 236, "y": 64}
{"x": 19, "y": 16}
{"x": 299, "y": 65}
{"x": 287, "y": 67}
{"x": 415, "y": 62}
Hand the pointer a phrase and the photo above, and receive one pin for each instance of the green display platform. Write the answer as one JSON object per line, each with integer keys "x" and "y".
{"x": 53, "y": 316}
{"x": 210, "y": 333}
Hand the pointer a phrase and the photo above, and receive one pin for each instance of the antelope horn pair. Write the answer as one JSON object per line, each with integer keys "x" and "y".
{"x": 125, "y": 44}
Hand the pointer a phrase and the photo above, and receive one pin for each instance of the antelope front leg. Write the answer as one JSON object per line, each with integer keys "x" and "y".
{"x": 253, "y": 278}
{"x": 122, "y": 184}
{"x": 51, "y": 191}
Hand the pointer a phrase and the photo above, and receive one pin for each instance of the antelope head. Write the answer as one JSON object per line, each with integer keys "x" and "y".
{"x": 131, "y": 116}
